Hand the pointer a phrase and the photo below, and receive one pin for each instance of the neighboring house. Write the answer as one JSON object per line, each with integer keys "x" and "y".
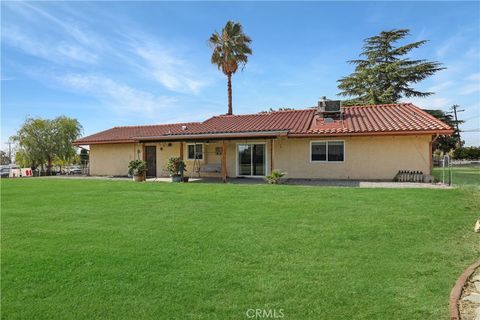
{"x": 369, "y": 142}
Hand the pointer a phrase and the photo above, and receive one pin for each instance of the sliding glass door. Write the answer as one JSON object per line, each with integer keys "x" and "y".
{"x": 251, "y": 159}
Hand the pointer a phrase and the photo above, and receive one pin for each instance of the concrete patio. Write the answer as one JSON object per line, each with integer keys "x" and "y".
{"x": 315, "y": 182}
{"x": 300, "y": 182}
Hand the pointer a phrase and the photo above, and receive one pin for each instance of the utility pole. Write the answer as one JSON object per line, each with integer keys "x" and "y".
{"x": 455, "y": 111}
{"x": 9, "y": 150}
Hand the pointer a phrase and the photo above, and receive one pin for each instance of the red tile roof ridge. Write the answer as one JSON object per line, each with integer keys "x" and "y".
{"x": 261, "y": 113}
{"x": 380, "y": 105}
{"x": 156, "y": 125}
{"x": 308, "y": 109}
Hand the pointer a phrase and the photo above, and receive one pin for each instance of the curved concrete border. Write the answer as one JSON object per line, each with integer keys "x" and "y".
{"x": 456, "y": 292}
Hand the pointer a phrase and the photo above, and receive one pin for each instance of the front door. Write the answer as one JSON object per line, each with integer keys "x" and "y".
{"x": 251, "y": 159}
{"x": 151, "y": 157}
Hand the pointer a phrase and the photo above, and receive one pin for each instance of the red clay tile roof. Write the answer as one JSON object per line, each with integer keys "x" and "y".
{"x": 385, "y": 118}
{"x": 290, "y": 121}
{"x": 404, "y": 118}
{"x": 129, "y": 133}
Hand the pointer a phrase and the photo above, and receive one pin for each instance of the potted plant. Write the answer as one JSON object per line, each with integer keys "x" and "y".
{"x": 137, "y": 169}
{"x": 176, "y": 167}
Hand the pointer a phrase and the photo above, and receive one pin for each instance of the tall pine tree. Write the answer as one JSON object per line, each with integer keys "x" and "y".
{"x": 384, "y": 75}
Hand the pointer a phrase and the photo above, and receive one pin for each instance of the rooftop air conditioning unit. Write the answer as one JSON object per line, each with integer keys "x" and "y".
{"x": 329, "y": 108}
{"x": 326, "y": 106}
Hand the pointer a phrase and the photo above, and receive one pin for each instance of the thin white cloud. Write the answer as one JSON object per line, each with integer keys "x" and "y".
{"x": 451, "y": 43}
{"x": 470, "y": 88}
{"x": 472, "y": 84}
{"x": 67, "y": 41}
{"x": 291, "y": 83}
{"x": 444, "y": 48}
{"x": 71, "y": 28}
{"x": 441, "y": 86}
{"x": 170, "y": 71}
{"x": 422, "y": 35}
{"x": 61, "y": 53}
{"x": 474, "y": 77}
{"x": 472, "y": 53}
{"x": 120, "y": 97}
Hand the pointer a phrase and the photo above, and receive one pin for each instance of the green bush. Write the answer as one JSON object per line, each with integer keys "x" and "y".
{"x": 137, "y": 167}
{"x": 275, "y": 176}
{"x": 176, "y": 166}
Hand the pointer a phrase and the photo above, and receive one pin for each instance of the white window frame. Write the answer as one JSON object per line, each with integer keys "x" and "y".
{"x": 326, "y": 151}
{"x": 194, "y": 149}
{"x": 266, "y": 159}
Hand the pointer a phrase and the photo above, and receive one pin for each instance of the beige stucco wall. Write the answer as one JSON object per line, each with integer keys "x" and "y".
{"x": 374, "y": 157}
{"x": 112, "y": 159}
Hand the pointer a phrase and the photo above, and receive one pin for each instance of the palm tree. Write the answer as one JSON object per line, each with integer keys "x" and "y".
{"x": 230, "y": 50}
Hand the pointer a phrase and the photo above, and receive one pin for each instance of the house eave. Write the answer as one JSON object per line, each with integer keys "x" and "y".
{"x": 260, "y": 134}
{"x": 87, "y": 143}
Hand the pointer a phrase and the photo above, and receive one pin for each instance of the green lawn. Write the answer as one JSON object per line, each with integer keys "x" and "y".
{"x": 466, "y": 175}
{"x": 97, "y": 249}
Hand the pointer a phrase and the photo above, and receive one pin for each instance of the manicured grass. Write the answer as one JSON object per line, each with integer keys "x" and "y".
{"x": 91, "y": 249}
{"x": 466, "y": 175}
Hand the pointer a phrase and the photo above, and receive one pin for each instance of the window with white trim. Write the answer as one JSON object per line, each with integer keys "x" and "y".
{"x": 327, "y": 151}
{"x": 195, "y": 151}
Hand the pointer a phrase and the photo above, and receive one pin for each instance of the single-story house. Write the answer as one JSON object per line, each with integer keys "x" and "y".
{"x": 372, "y": 142}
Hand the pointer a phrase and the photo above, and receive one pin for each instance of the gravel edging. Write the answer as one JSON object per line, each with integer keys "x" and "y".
{"x": 457, "y": 290}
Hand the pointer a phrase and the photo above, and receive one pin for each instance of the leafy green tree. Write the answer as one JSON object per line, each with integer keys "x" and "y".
{"x": 34, "y": 139}
{"x": 4, "y": 158}
{"x": 21, "y": 159}
{"x": 279, "y": 109}
{"x": 43, "y": 140}
{"x": 66, "y": 131}
{"x": 445, "y": 143}
{"x": 60, "y": 163}
{"x": 468, "y": 153}
{"x": 384, "y": 74}
{"x": 230, "y": 50}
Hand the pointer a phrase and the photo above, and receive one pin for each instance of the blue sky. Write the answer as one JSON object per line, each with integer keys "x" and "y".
{"x": 131, "y": 63}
